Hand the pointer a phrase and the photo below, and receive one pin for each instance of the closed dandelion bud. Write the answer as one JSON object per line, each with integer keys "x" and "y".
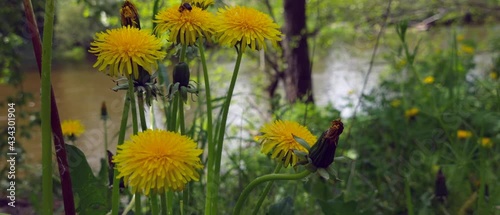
{"x": 104, "y": 111}
{"x": 129, "y": 15}
{"x": 323, "y": 152}
{"x": 441, "y": 191}
{"x": 181, "y": 74}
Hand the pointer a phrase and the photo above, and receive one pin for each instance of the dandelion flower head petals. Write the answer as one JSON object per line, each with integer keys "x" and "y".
{"x": 246, "y": 25}
{"x": 486, "y": 142}
{"x": 186, "y": 26}
{"x": 158, "y": 160}
{"x": 277, "y": 140}
{"x": 122, "y": 50}
{"x": 493, "y": 75}
{"x": 396, "y": 103}
{"x": 72, "y": 128}
{"x": 429, "y": 80}
{"x": 411, "y": 112}
{"x": 463, "y": 134}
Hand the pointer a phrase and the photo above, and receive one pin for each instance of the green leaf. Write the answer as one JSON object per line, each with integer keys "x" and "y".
{"x": 284, "y": 206}
{"x": 302, "y": 142}
{"x": 91, "y": 192}
{"x": 103, "y": 172}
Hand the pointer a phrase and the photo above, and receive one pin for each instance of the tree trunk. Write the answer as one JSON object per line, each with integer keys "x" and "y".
{"x": 298, "y": 83}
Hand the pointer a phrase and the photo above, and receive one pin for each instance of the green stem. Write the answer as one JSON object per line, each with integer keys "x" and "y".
{"x": 105, "y": 125}
{"x": 47, "y": 199}
{"x": 121, "y": 138}
{"x": 137, "y": 199}
{"x": 266, "y": 190}
{"x": 163, "y": 199}
{"x": 131, "y": 96}
{"x": 183, "y": 53}
{"x": 170, "y": 202}
{"x": 222, "y": 129}
{"x": 185, "y": 198}
{"x": 105, "y": 167}
{"x": 185, "y": 193}
{"x": 181, "y": 114}
{"x": 155, "y": 11}
{"x": 129, "y": 206}
{"x": 135, "y": 129}
{"x": 142, "y": 112}
{"x": 211, "y": 146}
{"x": 173, "y": 115}
{"x": 154, "y": 203}
{"x": 262, "y": 179}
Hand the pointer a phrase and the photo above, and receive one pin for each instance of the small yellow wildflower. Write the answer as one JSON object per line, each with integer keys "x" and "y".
{"x": 466, "y": 49}
{"x": 401, "y": 63}
{"x": 460, "y": 38}
{"x": 395, "y": 103}
{"x": 186, "y": 26}
{"x": 412, "y": 112}
{"x": 486, "y": 142}
{"x": 247, "y": 26}
{"x": 435, "y": 168}
{"x": 494, "y": 75}
{"x": 158, "y": 160}
{"x": 464, "y": 134}
{"x": 72, "y": 128}
{"x": 277, "y": 139}
{"x": 429, "y": 80}
{"x": 121, "y": 51}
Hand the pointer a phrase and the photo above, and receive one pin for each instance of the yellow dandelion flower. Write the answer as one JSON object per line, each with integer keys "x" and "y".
{"x": 460, "y": 38}
{"x": 185, "y": 26}
{"x": 463, "y": 134}
{"x": 486, "y": 142}
{"x": 429, "y": 80}
{"x": 395, "y": 103}
{"x": 411, "y": 112}
{"x": 277, "y": 140}
{"x": 123, "y": 50}
{"x": 493, "y": 75}
{"x": 158, "y": 160}
{"x": 247, "y": 26}
{"x": 72, "y": 128}
{"x": 466, "y": 49}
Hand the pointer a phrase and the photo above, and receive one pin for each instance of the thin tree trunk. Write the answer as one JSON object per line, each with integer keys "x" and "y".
{"x": 298, "y": 83}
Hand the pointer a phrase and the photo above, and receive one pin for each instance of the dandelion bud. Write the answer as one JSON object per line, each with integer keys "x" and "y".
{"x": 129, "y": 15}
{"x": 104, "y": 111}
{"x": 441, "y": 192}
{"x": 181, "y": 74}
{"x": 323, "y": 152}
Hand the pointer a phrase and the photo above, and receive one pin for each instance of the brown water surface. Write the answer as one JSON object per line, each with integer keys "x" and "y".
{"x": 79, "y": 91}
